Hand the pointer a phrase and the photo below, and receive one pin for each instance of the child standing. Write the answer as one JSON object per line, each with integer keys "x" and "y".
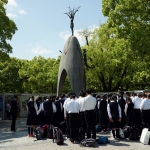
{"x": 114, "y": 113}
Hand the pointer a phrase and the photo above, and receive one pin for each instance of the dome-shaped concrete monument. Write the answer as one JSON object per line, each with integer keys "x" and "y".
{"x": 71, "y": 64}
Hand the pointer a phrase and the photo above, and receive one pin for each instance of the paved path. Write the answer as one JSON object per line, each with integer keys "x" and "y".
{"x": 20, "y": 141}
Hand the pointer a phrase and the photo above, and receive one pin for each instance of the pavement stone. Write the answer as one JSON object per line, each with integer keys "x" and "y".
{"x": 20, "y": 141}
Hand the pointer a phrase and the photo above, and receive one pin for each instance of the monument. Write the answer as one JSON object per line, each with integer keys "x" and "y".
{"x": 71, "y": 62}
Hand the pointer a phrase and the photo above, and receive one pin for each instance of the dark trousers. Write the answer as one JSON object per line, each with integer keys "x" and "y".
{"x": 123, "y": 119}
{"x": 137, "y": 113}
{"x": 68, "y": 128}
{"x": 103, "y": 119}
{"x": 90, "y": 118}
{"x": 74, "y": 126}
{"x": 145, "y": 115}
{"x": 82, "y": 128}
{"x": 13, "y": 123}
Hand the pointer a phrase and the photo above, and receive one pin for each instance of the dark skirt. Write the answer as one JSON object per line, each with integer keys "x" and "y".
{"x": 31, "y": 119}
{"x": 103, "y": 118}
{"x": 49, "y": 118}
{"x": 116, "y": 123}
{"x": 39, "y": 119}
{"x": 130, "y": 119}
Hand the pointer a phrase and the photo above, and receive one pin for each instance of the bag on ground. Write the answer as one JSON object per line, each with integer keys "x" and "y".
{"x": 44, "y": 129}
{"x": 145, "y": 136}
{"x": 103, "y": 140}
{"x": 58, "y": 136}
{"x": 121, "y": 134}
{"x": 98, "y": 128}
{"x": 50, "y": 132}
{"x": 63, "y": 127}
{"x": 88, "y": 143}
{"x": 134, "y": 134}
{"x": 39, "y": 133}
{"x": 126, "y": 131}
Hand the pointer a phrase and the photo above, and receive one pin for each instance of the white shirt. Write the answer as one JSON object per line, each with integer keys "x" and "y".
{"x": 72, "y": 106}
{"x": 80, "y": 100}
{"x": 109, "y": 113}
{"x": 137, "y": 102}
{"x": 65, "y": 103}
{"x": 145, "y": 104}
{"x": 89, "y": 102}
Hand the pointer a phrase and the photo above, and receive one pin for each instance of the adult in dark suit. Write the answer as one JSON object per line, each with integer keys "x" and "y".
{"x": 14, "y": 111}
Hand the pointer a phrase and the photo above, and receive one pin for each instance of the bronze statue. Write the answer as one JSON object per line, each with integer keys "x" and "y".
{"x": 71, "y": 15}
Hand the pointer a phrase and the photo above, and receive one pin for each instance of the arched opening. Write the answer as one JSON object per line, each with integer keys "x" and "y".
{"x": 66, "y": 86}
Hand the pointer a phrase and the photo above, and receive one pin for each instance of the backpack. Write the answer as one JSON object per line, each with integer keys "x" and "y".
{"x": 44, "y": 129}
{"x": 88, "y": 143}
{"x": 50, "y": 132}
{"x": 63, "y": 127}
{"x": 103, "y": 140}
{"x": 58, "y": 136}
{"x": 98, "y": 128}
{"x": 126, "y": 131}
{"x": 39, "y": 133}
{"x": 134, "y": 135}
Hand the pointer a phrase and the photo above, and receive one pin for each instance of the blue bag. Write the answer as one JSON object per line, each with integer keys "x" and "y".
{"x": 103, "y": 140}
{"x": 98, "y": 128}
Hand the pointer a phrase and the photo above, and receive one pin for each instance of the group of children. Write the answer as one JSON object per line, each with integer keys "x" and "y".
{"x": 83, "y": 111}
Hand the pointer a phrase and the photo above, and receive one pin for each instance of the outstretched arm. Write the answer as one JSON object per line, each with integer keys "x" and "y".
{"x": 68, "y": 15}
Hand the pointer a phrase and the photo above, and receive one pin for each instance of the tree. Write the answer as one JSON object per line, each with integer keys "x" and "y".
{"x": 40, "y": 75}
{"x": 7, "y": 29}
{"x": 9, "y": 77}
{"x": 131, "y": 20}
{"x": 111, "y": 60}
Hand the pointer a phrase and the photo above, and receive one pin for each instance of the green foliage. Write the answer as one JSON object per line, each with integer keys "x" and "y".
{"x": 7, "y": 29}
{"x": 9, "y": 77}
{"x": 39, "y": 75}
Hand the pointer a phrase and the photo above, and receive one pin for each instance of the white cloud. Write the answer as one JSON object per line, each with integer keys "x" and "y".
{"x": 64, "y": 35}
{"x": 39, "y": 50}
{"x": 12, "y": 3}
{"x": 12, "y": 7}
{"x": 23, "y": 12}
{"x": 11, "y": 15}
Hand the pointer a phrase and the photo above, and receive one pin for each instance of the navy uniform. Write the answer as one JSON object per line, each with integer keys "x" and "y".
{"x": 39, "y": 112}
{"x": 31, "y": 118}
{"x": 122, "y": 104}
{"x": 114, "y": 113}
{"x": 49, "y": 109}
{"x": 14, "y": 111}
{"x": 129, "y": 112}
{"x": 58, "y": 104}
{"x": 103, "y": 115}
{"x": 89, "y": 104}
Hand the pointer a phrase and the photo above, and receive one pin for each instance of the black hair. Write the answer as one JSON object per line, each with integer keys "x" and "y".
{"x": 144, "y": 95}
{"x": 93, "y": 94}
{"x": 57, "y": 98}
{"x": 82, "y": 93}
{"x": 88, "y": 91}
{"x": 72, "y": 96}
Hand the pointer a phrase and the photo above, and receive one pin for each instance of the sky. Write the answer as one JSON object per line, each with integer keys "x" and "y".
{"x": 43, "y": 27}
